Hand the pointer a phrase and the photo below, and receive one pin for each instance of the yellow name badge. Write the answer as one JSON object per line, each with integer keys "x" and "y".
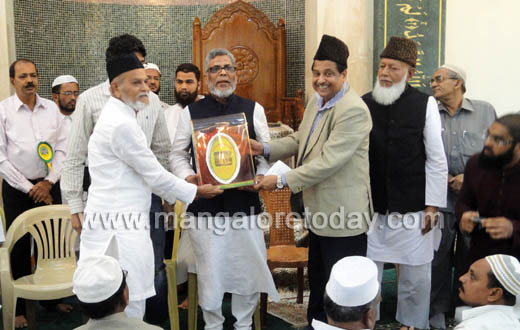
{"x": 223, "y": 158}
{"x": 46, "y": 154}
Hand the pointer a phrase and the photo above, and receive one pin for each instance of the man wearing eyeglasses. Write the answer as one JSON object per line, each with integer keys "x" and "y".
{"x": 488, "y": 207}
{"x": 65, "y": 92}
{"x": 233, "y": 261}
{"x": 464, "y": 122}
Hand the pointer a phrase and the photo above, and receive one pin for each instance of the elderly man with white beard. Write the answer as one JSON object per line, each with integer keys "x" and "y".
{"x": 124, "y": 172}
{"x": 408, "y": 175}
{"x": 233, "y": 260}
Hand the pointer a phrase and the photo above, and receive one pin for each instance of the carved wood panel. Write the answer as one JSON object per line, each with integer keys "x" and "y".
{"x": 259, "y": 49}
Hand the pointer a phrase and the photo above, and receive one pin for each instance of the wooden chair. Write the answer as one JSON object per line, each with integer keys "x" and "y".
{"x": 4, "y": 228}
{"x": 2, "y": 214}
{"x": 282, "y": 252}
{"x": 51, "y": 229}
{"x": 173, "y": 301}
{"x": 260, "y": 52}
{"x": 171, "y": 274}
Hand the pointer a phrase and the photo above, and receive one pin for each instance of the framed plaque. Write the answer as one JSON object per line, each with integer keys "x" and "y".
{"x": 222, "y": 151}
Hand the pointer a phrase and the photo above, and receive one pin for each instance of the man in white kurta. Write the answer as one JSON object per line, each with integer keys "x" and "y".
{"x": 229, "y": 259}
{"x": 408, "y": 177}
{"x": 492, "y": 288}
{"x": 124, "y": 172}
{"x": 187, "y": 84}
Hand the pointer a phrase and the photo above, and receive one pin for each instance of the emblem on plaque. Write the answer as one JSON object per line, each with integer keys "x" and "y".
{"x": 222, "y": 151}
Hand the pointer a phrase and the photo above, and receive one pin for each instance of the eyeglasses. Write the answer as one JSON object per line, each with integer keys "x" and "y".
{"x": 218, "y": 68}
{"x": 439, "y": 79}
{"x": 498, "y": 140}
{"x": 69, "y": 93}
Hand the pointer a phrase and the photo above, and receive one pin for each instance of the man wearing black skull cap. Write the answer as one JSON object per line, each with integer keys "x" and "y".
{"x": 331, "y": 177}
{"x": 124, "y": 171}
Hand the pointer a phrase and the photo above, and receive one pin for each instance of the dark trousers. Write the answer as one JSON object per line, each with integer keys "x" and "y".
{"x": 441, "y": 297}
{"x": 15, "y": 203}
{"x": 324, "y": 252}
{"x": 157, "y": 306}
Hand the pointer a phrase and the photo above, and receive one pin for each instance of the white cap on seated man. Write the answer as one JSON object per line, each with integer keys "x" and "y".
{"x": 99, "y": 283}
{"x": 351, "y": 295}
{"x": 492, "y": 288}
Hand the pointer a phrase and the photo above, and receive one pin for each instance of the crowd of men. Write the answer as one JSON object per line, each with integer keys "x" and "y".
{"x": 437, "y": 178}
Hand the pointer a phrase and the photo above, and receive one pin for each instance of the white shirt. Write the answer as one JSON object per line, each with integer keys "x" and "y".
{"x": 436, "y": 165}
{"x": 180, "y": 157}
{"x": 88, "y": 109}
{"x": 489, "y": 317}
{"x": 67, "y": 124}
{"x": 172, "y": 117}
{"x": 21, "y": 130}
{"x": 164, "y": 105}
{"x": 123, "y": 169}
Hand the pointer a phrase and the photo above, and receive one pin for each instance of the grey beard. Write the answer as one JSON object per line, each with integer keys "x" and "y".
{"x": 137, "y": 105}
{"x": 388, "y": 95}
{"x": 221, "y": 93}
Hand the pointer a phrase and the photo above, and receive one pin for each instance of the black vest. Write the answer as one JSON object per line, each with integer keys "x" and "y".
{"x": 397, "y": 153}
{"x": 232, "y": 200}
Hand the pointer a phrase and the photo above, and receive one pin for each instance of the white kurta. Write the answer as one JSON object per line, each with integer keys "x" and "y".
{"x": 185, "y": 258}
{"x": 124, "y": 172}
{"x": 172, "y": 114}
{"x": 228, "y": 260}
{"x": 489, "y": 317}
{"x": 391, "y": 240}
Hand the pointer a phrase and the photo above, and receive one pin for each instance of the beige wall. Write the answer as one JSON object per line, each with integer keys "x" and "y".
{"x": 482, "y": 37}
{"x": 7, "y": 47}
{"x": 350, "y": 21}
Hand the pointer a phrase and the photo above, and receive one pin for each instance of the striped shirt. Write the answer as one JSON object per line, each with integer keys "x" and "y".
{"x": 88, "y": 108}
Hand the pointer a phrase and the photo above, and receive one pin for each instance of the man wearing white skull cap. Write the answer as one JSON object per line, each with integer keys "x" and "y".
{"x": 100, "y": 286}
{"x": 65, "y": 92}
{"x": 351, "y": 295}
{"x": 154, "y": 80}
{"x": 464, "y": 123}
{"x": 492, "y": 288}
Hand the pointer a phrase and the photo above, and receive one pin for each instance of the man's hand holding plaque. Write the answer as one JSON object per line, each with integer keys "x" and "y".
{"x": 206, "y": 190}
{"x": 257, "y": 148}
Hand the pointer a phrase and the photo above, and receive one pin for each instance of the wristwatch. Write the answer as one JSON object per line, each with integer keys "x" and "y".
{"x": 279, "y": 182}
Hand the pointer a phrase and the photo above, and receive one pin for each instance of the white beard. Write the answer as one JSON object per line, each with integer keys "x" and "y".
{"x": 221, "y": 93}
{"x": 388, "y": 95}
{"x": 137, "y": 105}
